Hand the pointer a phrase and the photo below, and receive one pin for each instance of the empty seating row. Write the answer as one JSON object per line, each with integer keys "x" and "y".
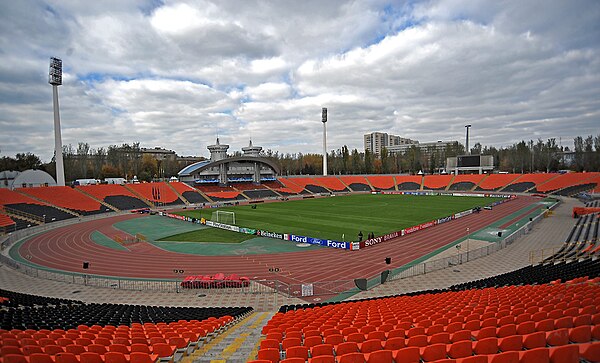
{"x": 68, "y": 198}
{"x": 67, "y": 314}
{"x": 438, "y": 353}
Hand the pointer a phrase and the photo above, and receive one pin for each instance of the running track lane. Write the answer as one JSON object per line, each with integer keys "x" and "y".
{"x": 67, "y": 247}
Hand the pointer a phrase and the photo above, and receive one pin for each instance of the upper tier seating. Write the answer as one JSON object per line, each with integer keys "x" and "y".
{"x": 409, "y": 182}
{"x": 291, "y": 186}
{"x": 466, "y": 181}
{"x": 436, "y": 182}
{"x": 356, "y": 183}
{"x": 332, "y": 183}
{"x": 382, "y": 182}
{"x": 568, "y": 180}
{"x": 528, "y": 181}
{"x": 68, "y": 198}
{"x": 114, "y": 194}
{"x": 494, "y": 182}
{"x": 156, "y": 193}
{"x": 29, "y": 205}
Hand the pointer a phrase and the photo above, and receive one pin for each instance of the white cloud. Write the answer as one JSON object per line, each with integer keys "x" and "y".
{"x": 176, "y": 74}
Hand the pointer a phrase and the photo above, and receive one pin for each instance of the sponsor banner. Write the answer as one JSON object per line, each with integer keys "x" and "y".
{"x": 269, "y": 234}
{"x": 506, "y": 196}
{"x": 418, "y": 227}
{"x": 463, "y": 213}
{"x": 444, "y": 220}
{"x": 223, "y": 226}
{"x": 176, "y": 216}
{"x": 466, "y": 195}
{"x": 248, "y": 230}
{"x": 317, "y": 241}
{"x": 389, "y": 236}
{"x": 372, "y": 241}
{"x": 355, "y": 246}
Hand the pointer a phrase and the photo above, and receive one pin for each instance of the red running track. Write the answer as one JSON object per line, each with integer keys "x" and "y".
{"x": 67, "y": 247}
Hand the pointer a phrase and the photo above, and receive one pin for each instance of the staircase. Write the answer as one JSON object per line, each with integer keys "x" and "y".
{"x": 238, "y": 344}
{"x": 139, "y": 196}
{"x": 97, "y": 199}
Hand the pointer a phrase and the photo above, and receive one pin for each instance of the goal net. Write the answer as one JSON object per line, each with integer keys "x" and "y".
{"x": 222, "y": 216}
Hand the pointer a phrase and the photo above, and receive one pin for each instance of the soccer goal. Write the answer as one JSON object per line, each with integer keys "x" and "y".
{"x": 223, "y": 216}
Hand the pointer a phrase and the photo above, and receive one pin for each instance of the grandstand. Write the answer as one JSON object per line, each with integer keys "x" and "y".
{"x": 543, "y": 312}
{"x": 68, "y": 198}
{"x": 6, "y": 223}
{"x": 495, "y": 182}
{"x": 29, "y": 206}
{"x": 356, "y": 183}
{"x": 332, "y": 183}
{"x": 409, "y": 182}
{"x": 382, "y": 182}
{"x": 466, "y": 181}
{"x": 568, "y": 184}
{"x": 116, "y": 195}
{"x": 157, "y": 193}
{"x": 437, "y": 182}
{"x": 527, "y": 182}
{"x": 190, "y": 194}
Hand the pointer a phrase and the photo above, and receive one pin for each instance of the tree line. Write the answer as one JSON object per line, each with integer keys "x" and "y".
{"x": 522, "y": 157}
{"x": 128, "y": 160}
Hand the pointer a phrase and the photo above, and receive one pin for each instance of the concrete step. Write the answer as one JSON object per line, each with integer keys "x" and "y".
{"x": 239, "y": 343}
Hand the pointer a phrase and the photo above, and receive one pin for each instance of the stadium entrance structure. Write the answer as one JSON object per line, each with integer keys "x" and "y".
{"x": 224, "y": 170}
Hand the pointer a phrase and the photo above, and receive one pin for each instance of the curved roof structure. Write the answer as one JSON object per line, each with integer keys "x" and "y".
{"x": 202, "y": 165}
{"x": 32, "y": 178}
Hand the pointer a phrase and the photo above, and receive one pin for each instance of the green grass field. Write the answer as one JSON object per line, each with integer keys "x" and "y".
{"x": 330, "y": 218}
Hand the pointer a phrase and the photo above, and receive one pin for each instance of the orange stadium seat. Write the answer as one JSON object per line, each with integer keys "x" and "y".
{"x": 494, "y": 182}
{"x": 566, "y": 180}
{"x": 332, "y": 183}
{"x": 436, "y": 182}
{"x": 382, "y": 182}
{"x": 408, "y": 182}
{"x": 466, "y": 181}
{"x": 356, "y": 183}
{"x": 65, "y": 197}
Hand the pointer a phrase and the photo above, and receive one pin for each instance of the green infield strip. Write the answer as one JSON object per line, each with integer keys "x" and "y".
{"x": 256, "y": 245}
{"x": 156, "y": 227}
{"x": 103, "y": 240}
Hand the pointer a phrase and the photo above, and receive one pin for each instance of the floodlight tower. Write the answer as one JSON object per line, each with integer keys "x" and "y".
{"x": 55, "y": 79}
{"x": 324, "y": 120}
{"x": 468, "y": 152}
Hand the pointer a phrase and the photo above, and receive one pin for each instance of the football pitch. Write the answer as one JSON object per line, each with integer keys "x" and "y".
{"x": 342, "y": 217}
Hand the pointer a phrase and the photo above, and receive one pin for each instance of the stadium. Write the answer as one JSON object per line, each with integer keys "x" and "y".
{"x": 375, "y": 236}
{"x": 476, "y": 273}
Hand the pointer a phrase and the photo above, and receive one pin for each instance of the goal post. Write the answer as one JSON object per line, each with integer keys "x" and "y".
{"x": 223, "y": 216}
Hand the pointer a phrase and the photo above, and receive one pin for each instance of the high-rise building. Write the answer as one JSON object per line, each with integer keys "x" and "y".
{"x": 376, "y": 141}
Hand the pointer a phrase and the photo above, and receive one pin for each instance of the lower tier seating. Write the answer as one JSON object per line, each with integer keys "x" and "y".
{"x": 558, "y": 323}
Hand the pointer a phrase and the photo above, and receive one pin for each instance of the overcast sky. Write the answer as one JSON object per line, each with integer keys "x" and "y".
{"x": 176, "y": 74}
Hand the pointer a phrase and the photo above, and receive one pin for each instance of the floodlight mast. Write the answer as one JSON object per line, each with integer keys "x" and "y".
{"x": 55, "y": 79}
{"x": 468, "y": 152}
{"x": 324, "y": 120}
